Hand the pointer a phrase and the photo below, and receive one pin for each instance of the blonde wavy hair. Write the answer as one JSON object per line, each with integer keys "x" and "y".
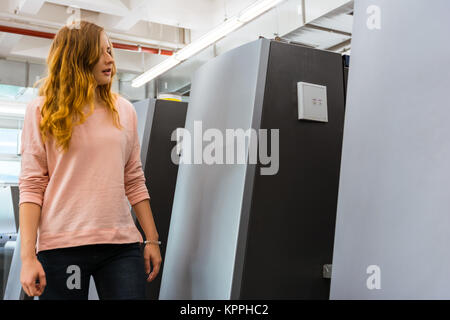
{"x": 70, "y": 84}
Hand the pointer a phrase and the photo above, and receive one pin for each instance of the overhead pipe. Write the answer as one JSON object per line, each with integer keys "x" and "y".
{"x": 116, "y": 45}
{"x": 303, "y": 12}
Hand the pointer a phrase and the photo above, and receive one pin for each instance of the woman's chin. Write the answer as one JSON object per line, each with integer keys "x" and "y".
{"x": 103, "y": 82}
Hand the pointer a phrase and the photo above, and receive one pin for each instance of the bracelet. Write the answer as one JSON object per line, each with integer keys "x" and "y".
{"x": 152, "y": 241}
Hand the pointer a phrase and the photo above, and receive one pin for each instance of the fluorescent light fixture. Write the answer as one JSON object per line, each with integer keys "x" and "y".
{"x": 230, "y": 25}
{"x": 257, "y": 9}
{"x": 12, "y": 109}
{"x": 208, "y": 39}
{"x": 160, "y": 68}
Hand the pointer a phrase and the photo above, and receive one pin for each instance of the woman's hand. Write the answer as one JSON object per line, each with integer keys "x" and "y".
{"x": 153, "y": 256}
{"x": 31, "y": 271}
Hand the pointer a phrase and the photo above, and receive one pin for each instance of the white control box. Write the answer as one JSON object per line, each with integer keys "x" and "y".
{"x": 312, "y": 102}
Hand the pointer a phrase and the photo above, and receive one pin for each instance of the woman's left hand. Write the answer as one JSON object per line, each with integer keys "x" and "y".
{"x": 152, "y": 256}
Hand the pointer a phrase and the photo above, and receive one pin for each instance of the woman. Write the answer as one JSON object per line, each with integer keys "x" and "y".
{"x": 80, "y": 163}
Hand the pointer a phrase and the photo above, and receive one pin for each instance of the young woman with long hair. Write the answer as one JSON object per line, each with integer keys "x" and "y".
{"x": 80, "y": 163}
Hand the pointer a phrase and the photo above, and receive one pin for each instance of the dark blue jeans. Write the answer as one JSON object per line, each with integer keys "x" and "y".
{"x": 118, "y": 271}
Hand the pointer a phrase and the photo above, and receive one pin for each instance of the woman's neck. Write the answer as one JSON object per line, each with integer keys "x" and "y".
{"x": 98, "y": 102}
{"x": 97, "y": 98}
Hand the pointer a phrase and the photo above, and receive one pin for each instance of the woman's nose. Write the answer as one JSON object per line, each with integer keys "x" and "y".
{"x": 109, "y": 58}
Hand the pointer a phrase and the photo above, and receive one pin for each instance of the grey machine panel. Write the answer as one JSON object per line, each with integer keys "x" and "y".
{"x": 393, "y": 221}
{"x": 9, "y": 241}
{"x": 203, "y": 234}
{"x": 144, "y": 112}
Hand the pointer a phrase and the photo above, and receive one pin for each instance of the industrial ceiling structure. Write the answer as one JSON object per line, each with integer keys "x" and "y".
{"x": 146, "y": 32}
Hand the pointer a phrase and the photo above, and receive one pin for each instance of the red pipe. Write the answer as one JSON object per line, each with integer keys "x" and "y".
{"x": 26, "y": 32}
{"x": 49, "y": 35}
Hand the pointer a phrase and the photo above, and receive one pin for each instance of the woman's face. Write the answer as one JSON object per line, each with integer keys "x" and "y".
{"x": 103, "y": 69}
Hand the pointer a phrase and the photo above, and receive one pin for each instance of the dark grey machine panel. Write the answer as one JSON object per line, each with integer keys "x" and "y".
{"x": 291, "y": 228}
{"x": 163, "y": 117}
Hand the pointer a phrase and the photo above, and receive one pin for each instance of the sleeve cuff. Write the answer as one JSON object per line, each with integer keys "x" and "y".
{"x": 138, "y": 198}
{"x": 30, "y": 197}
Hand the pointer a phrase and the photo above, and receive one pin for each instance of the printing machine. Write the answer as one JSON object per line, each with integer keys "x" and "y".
{"x": 252, "y": 230}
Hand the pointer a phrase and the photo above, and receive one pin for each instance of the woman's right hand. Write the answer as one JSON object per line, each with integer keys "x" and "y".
{"x": 31, "y": 272}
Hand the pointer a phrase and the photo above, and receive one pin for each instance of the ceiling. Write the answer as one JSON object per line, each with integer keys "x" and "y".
{"x": 169, "y": 25}
{"x": 332, "y": 31}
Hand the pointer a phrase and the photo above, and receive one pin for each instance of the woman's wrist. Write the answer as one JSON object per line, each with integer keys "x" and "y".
{"x": 157, "y": 242}
{"x": 152, "y": 236}
{"x": 27, "y": 253}
{"x": 26, "y": 258}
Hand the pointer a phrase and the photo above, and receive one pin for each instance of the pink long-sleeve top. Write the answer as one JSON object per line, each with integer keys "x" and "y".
{"x": 83, "y": 193}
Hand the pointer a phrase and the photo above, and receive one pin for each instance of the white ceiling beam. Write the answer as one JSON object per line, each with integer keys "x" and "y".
{"x": 318, "y": 8}
{"x": 47, "y": 26}
{"x": 7, "y": 43}
{"x": 31, "y": 47}
{"x": 186, "y": 14}
{"x": 137, "y": 12}
{"x": 114, "y": 7}
{"x": 128, "y": 22}
{"x": 27, "y": 6}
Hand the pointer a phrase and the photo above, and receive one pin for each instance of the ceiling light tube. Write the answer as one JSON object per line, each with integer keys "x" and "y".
{"x": 230, "y": 25}
{"x": 208, "y": 39}
{"x": 257, "y": 9}
{"x": 157, "y": 70}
